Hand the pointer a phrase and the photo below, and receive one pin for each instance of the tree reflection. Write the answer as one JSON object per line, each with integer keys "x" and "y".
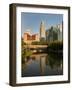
{"x": 44, "y": 64}
{"x": 54, "y": 60}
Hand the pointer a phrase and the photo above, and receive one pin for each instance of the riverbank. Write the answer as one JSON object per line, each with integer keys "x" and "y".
{"x": 55, "y": 47}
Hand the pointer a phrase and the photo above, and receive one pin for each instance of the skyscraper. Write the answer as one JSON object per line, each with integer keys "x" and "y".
{"x": 60, "y": 31}
{"x": 42, "y": 30}
{"x": 55, "y": 33}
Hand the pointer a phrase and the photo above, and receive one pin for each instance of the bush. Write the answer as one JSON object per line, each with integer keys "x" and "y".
{"x": 40, "y": 43}
{"x": 26, "y": 53}
{"x": 56, "y": 45}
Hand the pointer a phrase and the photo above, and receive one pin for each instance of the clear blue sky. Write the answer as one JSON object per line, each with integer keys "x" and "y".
{"x": 33, "y": 20}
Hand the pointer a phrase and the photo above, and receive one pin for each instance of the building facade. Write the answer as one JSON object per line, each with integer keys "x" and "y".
{"x": 49, "y": 35}
{"x": 28, "y": 38}
{"x": 60, "y": 32}
{"x": 55, "y": 33}
{"x": 42, "y": 31}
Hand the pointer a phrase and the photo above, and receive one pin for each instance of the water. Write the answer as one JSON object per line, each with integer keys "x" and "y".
{"x": 42, "y": 64}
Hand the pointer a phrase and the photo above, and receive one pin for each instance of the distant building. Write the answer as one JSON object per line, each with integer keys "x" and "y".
{"x": 60, "y": 32}
{"x": 51, "y": 35}
{"x": 55, "y": 33}
{"x": 42, "y": 31}
{"x": 28, "y": 38}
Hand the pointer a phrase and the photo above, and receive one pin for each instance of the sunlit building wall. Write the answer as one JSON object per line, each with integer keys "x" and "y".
{"x": 42, "y": 31}
{"x": 60, "y": 32}
{"x": 28, "y": 38}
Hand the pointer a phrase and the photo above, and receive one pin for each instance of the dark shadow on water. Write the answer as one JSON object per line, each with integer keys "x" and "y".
{"x": 42, "y": 64}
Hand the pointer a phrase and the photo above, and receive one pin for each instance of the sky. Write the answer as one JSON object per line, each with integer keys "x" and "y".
{"x": 32, "y": 21}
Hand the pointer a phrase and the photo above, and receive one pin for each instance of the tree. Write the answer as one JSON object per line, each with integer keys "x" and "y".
{"x": 22, "y": 42}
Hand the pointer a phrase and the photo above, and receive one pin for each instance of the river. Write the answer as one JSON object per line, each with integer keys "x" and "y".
{"x": 42, "y": 64}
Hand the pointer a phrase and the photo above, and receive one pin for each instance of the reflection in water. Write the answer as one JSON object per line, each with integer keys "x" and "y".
{"x": 42, "y": 65}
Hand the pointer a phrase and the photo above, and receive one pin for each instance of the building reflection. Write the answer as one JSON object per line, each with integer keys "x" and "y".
{"x": 42, "y": 64}
{"x": 47, "y": 63}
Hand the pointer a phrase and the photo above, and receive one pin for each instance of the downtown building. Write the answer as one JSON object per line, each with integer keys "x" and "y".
{"x": 28, "y": 38}
{"x": 42, "y": 31}
{"x": 55, "y": 33}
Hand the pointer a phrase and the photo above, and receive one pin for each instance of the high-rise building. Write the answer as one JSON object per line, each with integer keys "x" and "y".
{"x": 42, "y": 30}
{"x": 60, "y": 32}
{"x": 55, "y": 33}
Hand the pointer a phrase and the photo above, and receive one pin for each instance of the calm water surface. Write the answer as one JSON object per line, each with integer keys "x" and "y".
{"x": 42, "y": 65}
